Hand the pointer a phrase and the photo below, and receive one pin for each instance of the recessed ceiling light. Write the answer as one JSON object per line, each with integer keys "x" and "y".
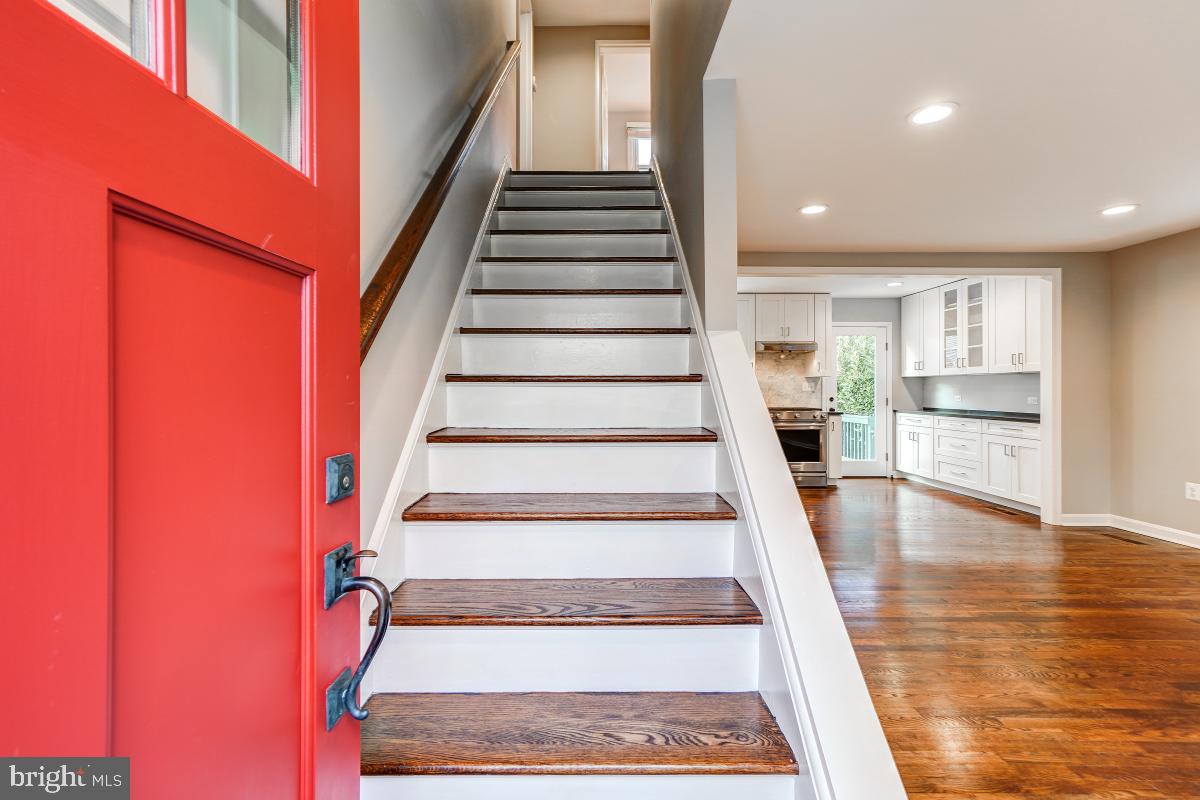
{"x": 894, "y": 284}
{"x": 815, "y": 208}
{"x": 1113, "y": 211}
{"x": 934, "y": 112}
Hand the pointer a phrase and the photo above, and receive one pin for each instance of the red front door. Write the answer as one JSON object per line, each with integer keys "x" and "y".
{"x": 178, "y": 356}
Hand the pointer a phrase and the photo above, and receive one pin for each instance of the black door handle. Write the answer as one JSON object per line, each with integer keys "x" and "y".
{"x": 340, "y": 580}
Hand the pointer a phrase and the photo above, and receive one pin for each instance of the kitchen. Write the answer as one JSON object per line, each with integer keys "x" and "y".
{"x": 936, "y": 379}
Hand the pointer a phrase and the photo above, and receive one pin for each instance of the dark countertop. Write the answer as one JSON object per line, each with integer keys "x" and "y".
{"x": 1001, "y": 416}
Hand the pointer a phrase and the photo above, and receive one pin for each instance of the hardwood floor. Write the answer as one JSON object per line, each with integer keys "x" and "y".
{"x": 1008, "y": 659}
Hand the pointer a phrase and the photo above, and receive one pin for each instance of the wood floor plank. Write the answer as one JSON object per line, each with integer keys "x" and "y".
{"x": 568, "y": 435}
{"x": 454, "y": 377}
{"x": 572, "y": 733}
{"x": 573, "y": 602}
{"x": 581, "y": 507}
{"x": 574, "y": 331}
{"x": 1009, "y": 659}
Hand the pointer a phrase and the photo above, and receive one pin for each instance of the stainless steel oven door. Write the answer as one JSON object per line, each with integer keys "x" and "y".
{"x": 803, "y": 446}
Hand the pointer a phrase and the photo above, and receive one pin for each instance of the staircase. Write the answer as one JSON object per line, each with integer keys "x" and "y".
{"x": 568, "y": 624}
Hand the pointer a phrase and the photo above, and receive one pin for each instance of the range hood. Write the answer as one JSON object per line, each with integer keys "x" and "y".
{"x": 786, "y": 347}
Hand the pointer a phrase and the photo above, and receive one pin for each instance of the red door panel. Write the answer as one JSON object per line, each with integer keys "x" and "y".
{"x": 192, "y": 445}
{"x": 178, "y": 355}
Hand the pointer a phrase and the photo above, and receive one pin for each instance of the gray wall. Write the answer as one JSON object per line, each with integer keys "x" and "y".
{"x": 907, "y": 393}
{"x": 682, "y": 36}
{"x": 422, "y": 61}
{"x": 1086, "y": 371}
{"x": 564, "y": 105}
{"x": 1156, "y": 380}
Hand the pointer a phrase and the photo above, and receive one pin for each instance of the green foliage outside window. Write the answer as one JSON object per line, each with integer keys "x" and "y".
{"x": 856, "y": 375}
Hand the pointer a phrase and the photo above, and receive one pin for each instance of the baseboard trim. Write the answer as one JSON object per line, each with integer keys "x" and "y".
{"x": 1162, "y": 532}
{"x": 1085, "y": 520}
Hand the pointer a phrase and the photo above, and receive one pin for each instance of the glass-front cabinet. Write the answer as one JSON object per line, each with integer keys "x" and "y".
{"x": 964, "y": 327}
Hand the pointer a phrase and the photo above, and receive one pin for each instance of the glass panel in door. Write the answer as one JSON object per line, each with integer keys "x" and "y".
{"x": 950, "y": 311}
{"x": 861, "y": 397}
{"x": 973, "y": 324}
{"x": 243, "y": 61}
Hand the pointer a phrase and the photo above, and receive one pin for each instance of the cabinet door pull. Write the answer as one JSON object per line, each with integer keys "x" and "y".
{"x": 1014, "y": 359}
{"x": 1021, "y": 359}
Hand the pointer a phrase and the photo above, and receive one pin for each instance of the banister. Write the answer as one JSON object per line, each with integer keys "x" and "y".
{"x": 390, "y": 275}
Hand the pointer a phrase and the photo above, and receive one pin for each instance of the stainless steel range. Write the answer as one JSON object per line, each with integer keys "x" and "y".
{"x": 802, "y": 435}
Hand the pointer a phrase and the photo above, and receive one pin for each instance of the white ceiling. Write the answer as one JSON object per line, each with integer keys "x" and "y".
{"x": 558, "y": 13}
{"x": 1067, "y": 106}
{"x": 628, "y": 80}
{"x": 858, "y": 286}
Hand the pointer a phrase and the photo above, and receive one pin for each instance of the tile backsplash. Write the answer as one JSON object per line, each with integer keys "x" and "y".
{"x": 783, "y": 380}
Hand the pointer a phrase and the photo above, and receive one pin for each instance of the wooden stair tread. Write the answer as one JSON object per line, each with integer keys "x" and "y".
{"x": 577, "y": 259}
{"x": 572, "y": 292}
{"x": 573, "y": 602}
{"x": 594, "y": 188}
{"x": 578, "y": 208}
{"x": 581, "y": 232}
{"x": 575, "y": 331}
{"x": 568, "y": 435}
{"x": 574, "y": 733}
{"x": 456, "y": 377}
{"x": 563, "y": 506}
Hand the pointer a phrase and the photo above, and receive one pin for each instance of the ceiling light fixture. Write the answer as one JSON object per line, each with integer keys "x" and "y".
{"x": 934, "y": 112}
{"x": 1113, "y": 211}
{"x": 894, "y": 284}
{"x": 815, "y": 208}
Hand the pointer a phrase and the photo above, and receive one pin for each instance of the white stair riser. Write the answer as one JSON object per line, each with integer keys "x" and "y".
{"x": 578, "y": 787}
{"x": 571, "y": 199}
{"x": 577, "y": 246}
{"x": 452, "y": 550}
{"x": 572, "y": 468}
{"x": 577, "y": 276}
{"x": 576, "y": 219}
{"x": 585, "y": 179}
{"x": 567, "y": 355}
{"x": 583, "y": 405}
{"x": 611, "y": 311}
{"x": 717, "y": 658}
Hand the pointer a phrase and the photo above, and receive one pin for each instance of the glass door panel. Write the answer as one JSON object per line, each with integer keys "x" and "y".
{"x": 862, "y": 398}
{"x": 974, "y": 325}
{"x": 243, "y": 61}
{"x": 950, "y": 326}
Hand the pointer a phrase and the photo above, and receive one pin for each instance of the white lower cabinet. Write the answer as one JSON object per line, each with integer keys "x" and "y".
{"x": 914, "y": 450}
{"x": 958, "y": 471}
{"x": 999, "y": 458}
{"x": 1012, "y": 468}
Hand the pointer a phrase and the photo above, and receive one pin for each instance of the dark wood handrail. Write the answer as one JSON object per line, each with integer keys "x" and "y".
{"x": 385, "y": 285}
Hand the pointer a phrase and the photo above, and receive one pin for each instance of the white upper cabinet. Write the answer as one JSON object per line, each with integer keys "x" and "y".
{"x": 1032, "y": 361}
{"x": 1008, "y": 324}
{"x": 920, "y": 334}
{"x": 931, "y": 332}
{"x": 1016, "y": 324}
{"x": 784, "y": 318}
{"x": 912, "y": 349}
{"x": 768, "y": 318}
{"x": 823, "y": 333}
{"x": 745, "y": 322}
{"x": 964, "y": 327}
